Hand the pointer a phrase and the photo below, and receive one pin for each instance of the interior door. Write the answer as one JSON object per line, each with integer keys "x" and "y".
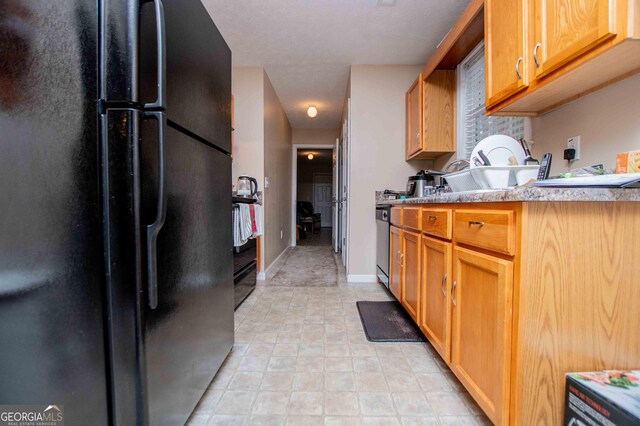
{"x": 335, "y": 234}
{"x": 566, "y": 29}
{"x": 435, "y": 318}
{"x": 481, "y": 295}
{"x": 189, "y": 334}
{"x": 322, "y": 200}
{"x": 345, "y": 186}
{"x": 505, "y": 47}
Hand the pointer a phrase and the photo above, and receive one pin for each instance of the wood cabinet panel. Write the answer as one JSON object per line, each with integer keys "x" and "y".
{"x": 414, "y": 118}
{"x": 566, "y": 29}
{"x": 410, "y": 293}
{"x": 411, "y": 218}
{"x": 481, "y": 333}
{"x": 505, "y": 46}
{"x": 438, "y": 115}
{"x": 435, "y": 306}
{"x": 396, "y": 216}
{"x": 395, "y": 262}
{"x": 437, "y": 222}
{"x": 578, "y": 305}
{"x": 489, "y": 229}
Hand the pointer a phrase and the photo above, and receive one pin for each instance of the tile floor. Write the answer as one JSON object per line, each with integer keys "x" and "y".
{"x": 301, "y": 358}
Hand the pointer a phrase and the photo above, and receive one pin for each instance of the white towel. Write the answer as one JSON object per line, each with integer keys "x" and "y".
{"x": 258, "y": 216}
{"x": 242, "y": 225}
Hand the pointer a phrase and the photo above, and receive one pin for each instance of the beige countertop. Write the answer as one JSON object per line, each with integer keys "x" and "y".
{"x": 527, "y": 194}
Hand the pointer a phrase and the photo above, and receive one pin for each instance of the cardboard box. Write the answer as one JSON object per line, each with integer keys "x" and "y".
{"x": 628, "y": 162}
{"x": 606, "y": 398}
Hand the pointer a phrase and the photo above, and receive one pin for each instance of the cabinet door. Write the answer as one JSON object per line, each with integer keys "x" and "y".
{"x": 395, "y": 262}
{"x": 414, "y": 117}
{"x": 505, "y": 41}
{"x": 481, "y": 295}
{"x": 565, "y": 29}
{"x": 435, "y": 307}
{"x": 411, "y": 273}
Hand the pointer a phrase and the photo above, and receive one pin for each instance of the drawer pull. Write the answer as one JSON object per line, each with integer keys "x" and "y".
{"x": 453, "y": 293}
{"x": 475, "y": 222}
{"x": 444, "y": 280}
{"x": 433, "y": 217}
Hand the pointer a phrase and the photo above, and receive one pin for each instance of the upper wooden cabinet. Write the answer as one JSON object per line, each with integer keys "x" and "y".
{"x": 505, "y": 46}
{"x": 569, "y": 48}
{"x": 565, "y": 29}
{"x": 433, "y": 134}
{"x": 414, "y": 117}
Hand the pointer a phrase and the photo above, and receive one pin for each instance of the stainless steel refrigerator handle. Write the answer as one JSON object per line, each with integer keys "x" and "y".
{"x": 162, "y": 51}
{"x": 156, "y": 226}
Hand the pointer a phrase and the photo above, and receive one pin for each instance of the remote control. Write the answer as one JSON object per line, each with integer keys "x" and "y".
{"x": 545, "y": 167}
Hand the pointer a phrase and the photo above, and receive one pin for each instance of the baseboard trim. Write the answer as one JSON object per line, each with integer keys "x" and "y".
{"x": 275, "y": 265}
{"x": 261, "y": 276}
{"x": 354, "y": 278}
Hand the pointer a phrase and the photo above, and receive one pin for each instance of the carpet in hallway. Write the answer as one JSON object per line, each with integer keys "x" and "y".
{"x": 308, "y": 267}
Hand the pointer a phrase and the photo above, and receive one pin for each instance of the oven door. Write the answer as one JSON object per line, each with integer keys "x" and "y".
{"x": 382, "y": 245}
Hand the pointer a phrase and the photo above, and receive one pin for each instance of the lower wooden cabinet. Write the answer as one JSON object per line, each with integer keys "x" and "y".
{"x": 481, "y": 295}
{"x": 435, "y": 308}
{"x": 395, "y": 261}
{"x": 410, "y": 284}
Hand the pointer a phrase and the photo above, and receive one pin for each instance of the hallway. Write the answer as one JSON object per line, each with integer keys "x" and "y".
{"x": 301, "y": 358}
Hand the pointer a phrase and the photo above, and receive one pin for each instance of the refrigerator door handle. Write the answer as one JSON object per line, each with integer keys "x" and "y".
{"x": 162, "y": 63}
{"x": 154, "y": 228}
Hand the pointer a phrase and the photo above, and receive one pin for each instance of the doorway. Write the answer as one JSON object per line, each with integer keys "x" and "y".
{"x": 313, "y": 196}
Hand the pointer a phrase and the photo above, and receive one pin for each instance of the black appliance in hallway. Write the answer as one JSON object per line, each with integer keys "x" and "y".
{"x": 116, "y": 279}
{"x": 245, "y": 266}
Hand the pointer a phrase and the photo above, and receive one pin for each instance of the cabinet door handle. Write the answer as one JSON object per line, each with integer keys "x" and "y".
{"x": 444, "y": 280}
{"x": 535, "y": 54}
{"x": 518, "y": 68}
{"x": 433, "y": 217}
{"x": 418, "y": 136}
{"x": 475, "y": 222}
{"x": 453, "y": 293}
{"x": 402, "y": 260}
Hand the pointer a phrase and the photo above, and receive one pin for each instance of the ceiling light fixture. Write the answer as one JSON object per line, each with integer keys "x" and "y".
{"x": 386, "y": 2}
{"x": 312, "y": 111}
{"x": 310, "y": 156}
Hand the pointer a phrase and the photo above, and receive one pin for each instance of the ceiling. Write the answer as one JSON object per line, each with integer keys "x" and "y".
{"x": 307, "y": 46}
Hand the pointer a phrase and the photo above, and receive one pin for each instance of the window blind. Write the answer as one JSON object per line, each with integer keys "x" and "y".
{"x": 476, "y": 125}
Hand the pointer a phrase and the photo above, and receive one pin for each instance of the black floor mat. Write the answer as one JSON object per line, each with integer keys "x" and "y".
{"x": 388, "y": 322}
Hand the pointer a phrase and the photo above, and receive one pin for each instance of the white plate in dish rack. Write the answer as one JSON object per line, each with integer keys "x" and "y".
{"x": 498, "y": 149}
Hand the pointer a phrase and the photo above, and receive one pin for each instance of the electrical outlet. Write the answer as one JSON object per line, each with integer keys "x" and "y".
{"x": 574, "y": 143}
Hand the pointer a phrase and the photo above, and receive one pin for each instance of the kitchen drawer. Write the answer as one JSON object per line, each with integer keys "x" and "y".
{"x": 489, "y": 229}
{"x": 437, "y": 222}
{"x": 411, "y": 217}
{"x": 396, "y": 216}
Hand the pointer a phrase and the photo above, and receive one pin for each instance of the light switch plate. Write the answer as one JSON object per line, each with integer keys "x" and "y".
{"x": 266, "y": 182}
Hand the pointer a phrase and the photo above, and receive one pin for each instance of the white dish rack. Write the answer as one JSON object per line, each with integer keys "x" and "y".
{"x": 491, "y": 177}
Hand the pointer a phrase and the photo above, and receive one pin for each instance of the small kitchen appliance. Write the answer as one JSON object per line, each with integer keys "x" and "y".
{"x": 247, "y": 186}
{"x": 423, "y": 183}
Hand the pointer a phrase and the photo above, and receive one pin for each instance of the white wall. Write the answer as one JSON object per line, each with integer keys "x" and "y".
{"x": 248, "y": 122}
{"x": 377, "y": 159}
{"x": 316, "y": 136}
{"x": 277, "y": 168}
{"x": 608, "y": 122}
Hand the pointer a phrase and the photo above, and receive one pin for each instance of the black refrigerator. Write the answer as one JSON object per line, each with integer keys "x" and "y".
{"x": 116, "y": 285}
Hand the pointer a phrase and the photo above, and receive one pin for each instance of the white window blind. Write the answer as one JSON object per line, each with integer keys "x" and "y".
{"x": 474, "y": 125}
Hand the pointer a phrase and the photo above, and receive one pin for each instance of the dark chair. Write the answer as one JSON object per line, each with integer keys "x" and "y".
{"x": 307, "y": 216}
